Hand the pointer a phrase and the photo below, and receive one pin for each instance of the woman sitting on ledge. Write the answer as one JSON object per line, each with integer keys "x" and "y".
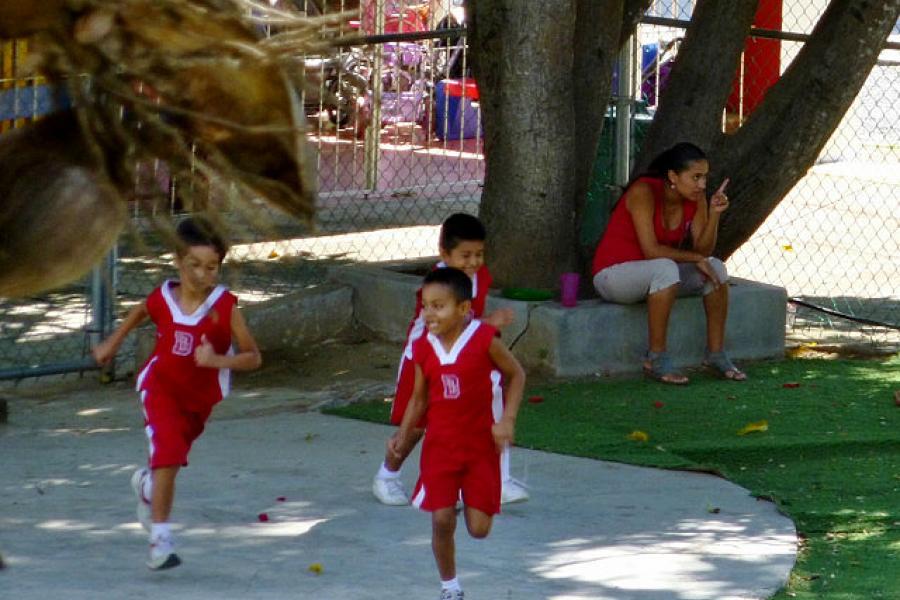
{"x": 646, "y": 254}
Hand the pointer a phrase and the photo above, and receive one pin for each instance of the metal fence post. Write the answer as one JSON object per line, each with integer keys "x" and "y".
{"x": 373, "y": 132}
{"x": 624, "y": 99}
{"x": 103, "y": 294}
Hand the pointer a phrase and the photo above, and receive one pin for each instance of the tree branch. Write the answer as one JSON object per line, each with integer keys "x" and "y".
{"x": 788, "y": 130}
{"x": 701, "y": 78}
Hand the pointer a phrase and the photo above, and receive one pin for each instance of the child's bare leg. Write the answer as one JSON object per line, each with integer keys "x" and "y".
{"x": 478, "y": 523}
{"x": 163, "y": 494}
{"x": 392, "y": 462}
{"x": 443, "y": 544}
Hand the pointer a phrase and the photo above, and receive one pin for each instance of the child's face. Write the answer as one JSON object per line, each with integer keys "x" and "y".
{"x": 467, "y": 256}
{"x": 198, "y": 268}
{"x": 442, "y": 311}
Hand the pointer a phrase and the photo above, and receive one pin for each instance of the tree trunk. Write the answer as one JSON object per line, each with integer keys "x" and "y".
{"x": 543, "y": 71}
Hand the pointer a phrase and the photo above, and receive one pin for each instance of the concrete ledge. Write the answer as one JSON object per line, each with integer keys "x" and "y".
{"x": 301, "y": 318}
{"x": 289, "y": 322}
{"x": 598, "y": 337}
{"x": 593, "y": 337}
{"x": 384, "y": 298}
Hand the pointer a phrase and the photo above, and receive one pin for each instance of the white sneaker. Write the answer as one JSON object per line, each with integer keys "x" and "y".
{"x": 162, "y": 554}
{"x": 452, "y": 595}
{"x": 390, "y": 491}
{"x": 513, "y": 491}
{"x": 143, "y": 505}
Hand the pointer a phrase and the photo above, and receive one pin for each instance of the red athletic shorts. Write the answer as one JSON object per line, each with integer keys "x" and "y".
{"x": 444, "y": 472}
{"x": 171, "y": 428}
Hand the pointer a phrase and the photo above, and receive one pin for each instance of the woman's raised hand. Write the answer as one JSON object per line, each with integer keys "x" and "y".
{"x": 719, "y": 201}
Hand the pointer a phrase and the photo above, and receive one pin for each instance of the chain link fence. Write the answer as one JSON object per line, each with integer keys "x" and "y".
{"x": 396, "y": 131}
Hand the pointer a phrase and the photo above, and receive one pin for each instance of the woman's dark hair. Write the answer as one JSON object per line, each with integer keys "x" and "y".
{"x": 677, "y": 158}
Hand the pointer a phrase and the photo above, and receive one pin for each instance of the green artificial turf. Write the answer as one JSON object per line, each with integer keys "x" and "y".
{"x": 830, "y": 457}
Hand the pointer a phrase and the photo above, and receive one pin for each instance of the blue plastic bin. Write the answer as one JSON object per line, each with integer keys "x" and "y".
{"x": 455, "y": 117}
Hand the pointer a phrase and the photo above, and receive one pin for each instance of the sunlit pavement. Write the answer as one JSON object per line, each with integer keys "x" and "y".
{"x": 591, "y": 530}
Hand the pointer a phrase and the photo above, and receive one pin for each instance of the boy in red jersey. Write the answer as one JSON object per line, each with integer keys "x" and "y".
{"x": 187, "y": 374}
{"x": 461, "y": 247}
{"x": 455, "y": 372}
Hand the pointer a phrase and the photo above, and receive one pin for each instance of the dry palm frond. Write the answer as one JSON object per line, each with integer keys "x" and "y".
{"x": 190, "y": 81}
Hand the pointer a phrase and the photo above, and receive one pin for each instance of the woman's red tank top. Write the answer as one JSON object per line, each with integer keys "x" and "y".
{"x": 620, "y": 242}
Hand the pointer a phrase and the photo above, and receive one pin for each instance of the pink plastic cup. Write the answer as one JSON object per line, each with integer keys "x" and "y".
{"x": 568, "y": 286}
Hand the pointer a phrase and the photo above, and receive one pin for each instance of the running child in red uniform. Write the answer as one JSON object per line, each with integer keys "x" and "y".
{"x": 187, "y": 374}
{"x": 461, "y": 246}
{"x": 455, "y": 367}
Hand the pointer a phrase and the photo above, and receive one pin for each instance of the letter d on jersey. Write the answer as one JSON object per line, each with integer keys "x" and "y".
{"x": 184, "y": 344}
{"x": 451, "y": 386}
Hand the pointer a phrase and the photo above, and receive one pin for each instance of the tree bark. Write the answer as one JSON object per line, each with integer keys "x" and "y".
{"x": 543, "y": 71}
{"x": 787, "y": 131}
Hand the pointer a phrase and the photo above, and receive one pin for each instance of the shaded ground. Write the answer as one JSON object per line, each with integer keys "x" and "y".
{"x": 592, "y": 530}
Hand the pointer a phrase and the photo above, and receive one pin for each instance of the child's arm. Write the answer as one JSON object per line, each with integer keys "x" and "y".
{"x": 415, "y": 410}
{"x": 247, "y": 357}
{"x": 500, "y": 318}
{"x": 106, "y": 350}
{"x": 514, "y": 378}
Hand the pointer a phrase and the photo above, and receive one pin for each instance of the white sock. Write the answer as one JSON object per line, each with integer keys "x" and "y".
{"x": 385, "y": 473}
{"x": 160, "y": 531}
{"x": 451, "y": 584}
{"x": 504, "y": 465}
{"x": 147, "y": 486}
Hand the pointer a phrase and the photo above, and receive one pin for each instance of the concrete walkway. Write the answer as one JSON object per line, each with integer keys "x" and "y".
{"x": 592, "y": 529}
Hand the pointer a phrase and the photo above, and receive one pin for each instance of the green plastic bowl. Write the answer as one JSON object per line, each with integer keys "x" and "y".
{"x": 528, "y": 294}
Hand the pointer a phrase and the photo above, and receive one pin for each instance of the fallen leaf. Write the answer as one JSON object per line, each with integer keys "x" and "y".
{"x": 658, "y": 404}
{"x": 638, "y": 436}
{"x": 754, "y": 427}
{"x": 713, "y": 509}
{"x": 787, "y": 248}
{"x": 273, "y": 254}
{"x": 790, "y": 384}
{"x": 535, "y": 399}
{"x": 316, "y": 568}
{"x": 263, "y": 517}
{"x": 281, "y": 499}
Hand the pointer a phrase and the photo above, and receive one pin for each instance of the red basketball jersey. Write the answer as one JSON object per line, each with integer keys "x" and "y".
{"x": 460, "y": 386}
{"x": 171, "y": 367}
